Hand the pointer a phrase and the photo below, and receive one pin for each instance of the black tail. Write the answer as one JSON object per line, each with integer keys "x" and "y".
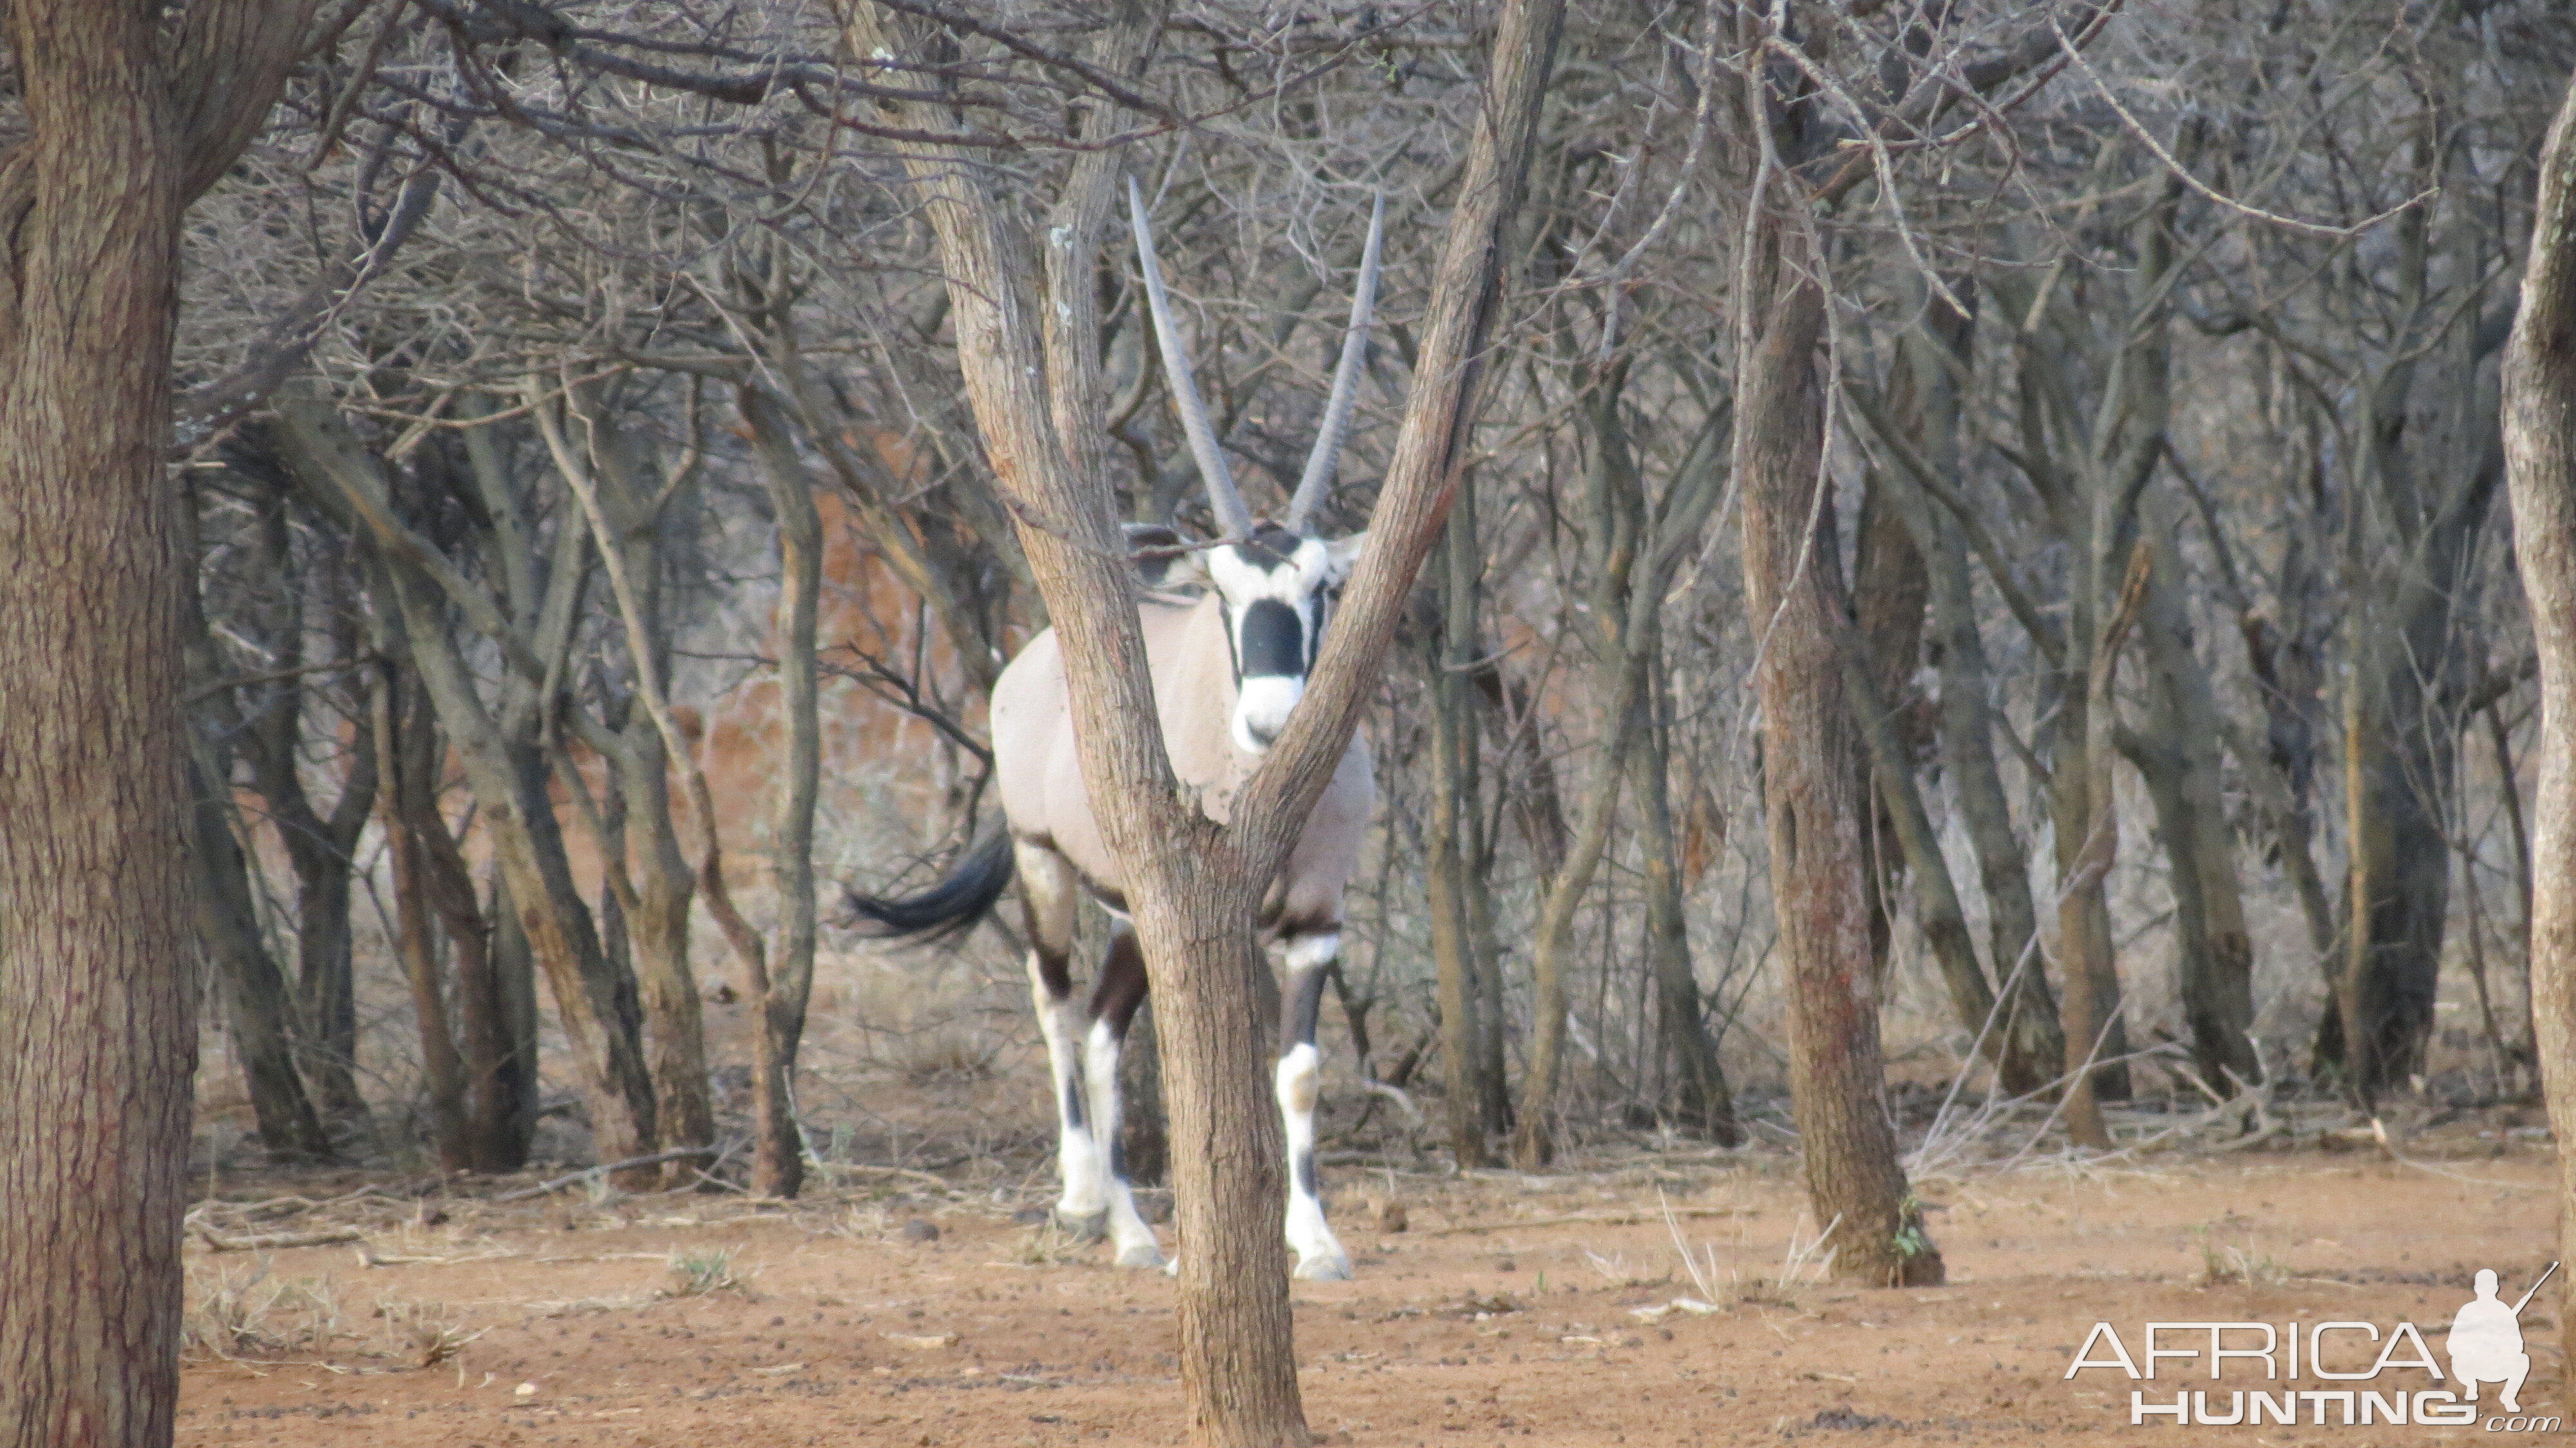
{"x": 951, "y": 907}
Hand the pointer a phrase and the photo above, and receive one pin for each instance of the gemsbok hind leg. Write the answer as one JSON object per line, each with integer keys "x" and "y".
{"x": 1319, "y": 1256}
{"x": 1049, "y": 893}
{"x": 1114, "y": 1000}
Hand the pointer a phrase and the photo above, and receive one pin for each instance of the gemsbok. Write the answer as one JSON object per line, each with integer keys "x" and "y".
{"x": 1227, "y": 668}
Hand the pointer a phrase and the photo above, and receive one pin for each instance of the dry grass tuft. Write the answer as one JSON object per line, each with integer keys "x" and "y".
{"x": 696, "y": 1274}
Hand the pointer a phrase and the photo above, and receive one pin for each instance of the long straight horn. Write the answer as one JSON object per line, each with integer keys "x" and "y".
{"x": 1232, "y": 517}
{"x": 1318, "y": 478}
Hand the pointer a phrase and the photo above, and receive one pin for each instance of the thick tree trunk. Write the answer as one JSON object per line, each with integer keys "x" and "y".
{"x": 2401, "y": 754}
{"x": 1814, "y": 807}
{"x": 2539, "y": 422}
{"x": 98, "y": 1044}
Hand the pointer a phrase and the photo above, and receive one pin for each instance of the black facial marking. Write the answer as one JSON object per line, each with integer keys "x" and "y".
{"x": 1270, "y": 546}
{"x": 1274, "y": 640}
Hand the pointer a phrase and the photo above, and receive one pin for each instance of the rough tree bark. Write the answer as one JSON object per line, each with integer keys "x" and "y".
{"x": 1815, "y": 806}
{"x": 1813, "y": 801}
{"x": 2539, "y": 423}
{"x": 128, "y": 115}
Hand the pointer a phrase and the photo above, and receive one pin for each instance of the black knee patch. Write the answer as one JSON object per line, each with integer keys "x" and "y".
{"x": 1302, "y": 1169}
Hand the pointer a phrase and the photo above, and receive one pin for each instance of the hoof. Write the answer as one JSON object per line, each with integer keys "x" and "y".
{"x": 1093, "y": 1228}
{"x": 1333, "y": 1268}
{"x": 1143, "y": 1254}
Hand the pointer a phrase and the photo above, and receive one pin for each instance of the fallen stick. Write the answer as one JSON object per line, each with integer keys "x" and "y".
{"x": 1588, "y": 1219}
{"x": 276, "y": 1241}
{"x": 856, "y": 1169}
{"x": 547, "y": 1189}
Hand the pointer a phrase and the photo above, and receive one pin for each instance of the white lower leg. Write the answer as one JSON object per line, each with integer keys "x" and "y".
{"x": 1135, "y": 1240}
{"x": 1076, "y": 1154}
{"x": 1318, "y": 1254}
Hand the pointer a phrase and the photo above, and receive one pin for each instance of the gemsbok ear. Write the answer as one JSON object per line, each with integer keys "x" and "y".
{"x": 1342, "y": 555}
{"x": 1163, "y": 558}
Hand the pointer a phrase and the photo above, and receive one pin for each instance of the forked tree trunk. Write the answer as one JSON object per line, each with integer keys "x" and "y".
{"x": 1814, "y": 805}
{"x": 2540, "y": 454}
{"x": 122, "y": 125}
{"x": 1194, "y": 887}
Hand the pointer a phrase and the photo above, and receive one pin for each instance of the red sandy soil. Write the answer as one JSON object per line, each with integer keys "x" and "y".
{"x": 1503, "y": 1314}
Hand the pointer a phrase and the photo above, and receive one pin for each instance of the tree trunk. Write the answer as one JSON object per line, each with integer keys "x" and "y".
{"x": 122, "y": 126}
{"x": 778, "y": 1162}
{"x": 1814, "y": 808}
{"x": 2401, "y": 755}
{"x": 1702, "y": 1104}
{"x": 2177, "y": 753}
{"x": 259, "y": 1008}
{"x": 2539, "y": 426}
{"x": 1889, "y": 589}
{"x": 410, "y": 760}
{"x": 259, "y": 1002}
{"x": 319, "y": 848}
{"x": 1448, "y": 837}
{"x": 2030, "y": 1050}
{"x": 2088, "y": 845}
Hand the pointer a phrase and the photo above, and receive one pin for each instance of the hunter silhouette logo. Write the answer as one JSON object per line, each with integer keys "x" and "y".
{"x": 2486, "y": 1341}
{"x": 2256, "y": 1371}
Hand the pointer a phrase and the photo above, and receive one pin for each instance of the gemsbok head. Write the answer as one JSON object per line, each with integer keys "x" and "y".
{"x": 1228, "y": 668}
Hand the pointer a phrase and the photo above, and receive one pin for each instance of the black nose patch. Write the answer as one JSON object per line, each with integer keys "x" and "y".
{"x": 1274, "y": 640}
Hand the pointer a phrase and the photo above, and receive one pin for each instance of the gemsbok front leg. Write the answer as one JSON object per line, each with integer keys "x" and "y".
{"x": 1114, "y": 1001}
{"x": 1319, "y": 1256}
{"x": 1048, "y": 892}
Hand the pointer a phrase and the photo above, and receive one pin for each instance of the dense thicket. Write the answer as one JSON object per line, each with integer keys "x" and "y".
{"x": 2165, "y": 623}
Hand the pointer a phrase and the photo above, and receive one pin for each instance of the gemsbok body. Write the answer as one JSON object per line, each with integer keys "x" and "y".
{"x": 1227, "y": 669}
